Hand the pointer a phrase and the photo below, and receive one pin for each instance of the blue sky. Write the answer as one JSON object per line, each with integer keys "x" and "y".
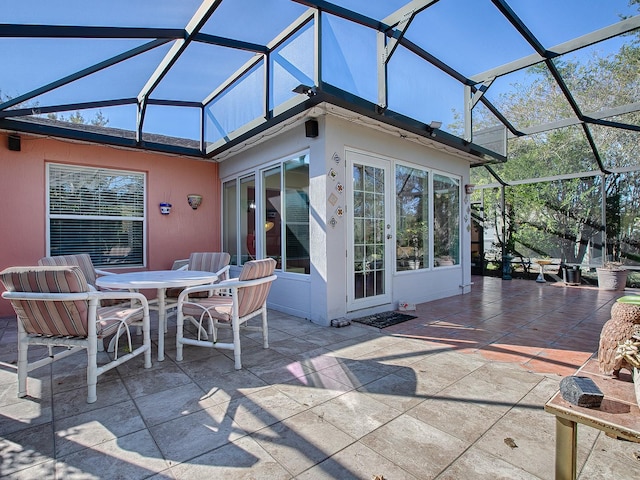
{"x": 470, "y": 35}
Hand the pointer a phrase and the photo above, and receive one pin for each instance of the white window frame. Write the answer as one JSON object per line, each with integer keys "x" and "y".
{"x": 432, "y": 172}
{"x": 258, "y": 175}
{"x": 141, "y": 176}
{"x": 452, "y": 176}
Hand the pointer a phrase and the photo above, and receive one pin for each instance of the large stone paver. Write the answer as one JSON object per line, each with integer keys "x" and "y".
{"x": 437, "y": 397}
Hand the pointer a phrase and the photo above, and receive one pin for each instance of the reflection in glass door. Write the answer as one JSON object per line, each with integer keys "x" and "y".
{"x": 371, "y": 233}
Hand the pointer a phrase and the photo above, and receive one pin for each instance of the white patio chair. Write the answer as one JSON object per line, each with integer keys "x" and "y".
{"x": 216, "y": 262}
{"x": 56, "y": 307}
{"x": 91, "y": 274}
{"x": 247, "y": 299}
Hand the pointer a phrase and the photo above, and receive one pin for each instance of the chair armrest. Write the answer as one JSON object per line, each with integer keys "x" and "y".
{"x": 226, "y": 285}
{"x": 100, "y": 273}
{"x": 181, "y": 264}
{"x": 223, "y": 271}
{"x": 236, "y": 283}
{"x": 65, "y": 297}
{"x": 60, "y": 297}
{"x": 121, "y": 295}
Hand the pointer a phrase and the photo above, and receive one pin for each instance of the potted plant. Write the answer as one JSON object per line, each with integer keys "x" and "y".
{"x": 445, "y": 260}
{"x": 505, "y": 236}
{"x": 507, "y": 245}
{"x": 630, "y": 351}
{"x": 410, "y": 241}
{"x": 414, "y": 261}
{"x": 612, "y": 276}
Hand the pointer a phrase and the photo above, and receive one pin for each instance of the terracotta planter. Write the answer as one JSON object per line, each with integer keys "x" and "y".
{"x": 611, "y": 279}
{"x": 636, "y": 384}
{"x": 194, "y": 200}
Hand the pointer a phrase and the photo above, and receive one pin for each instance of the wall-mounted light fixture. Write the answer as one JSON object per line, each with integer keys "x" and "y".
{"x": 194, "y": 200}
{"x": 469, "y": 188}
{"x": 305, "y": 90}
{"x": 165, "y": 208}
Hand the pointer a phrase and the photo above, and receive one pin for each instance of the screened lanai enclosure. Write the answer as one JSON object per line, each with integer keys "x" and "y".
{"x": 542, "y": 94}
{"x": 569, "y": 189}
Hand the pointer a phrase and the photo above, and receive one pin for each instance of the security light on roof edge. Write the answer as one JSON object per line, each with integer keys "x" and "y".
{"x": 305, "y": 90}
{"x": 433, "y": 126}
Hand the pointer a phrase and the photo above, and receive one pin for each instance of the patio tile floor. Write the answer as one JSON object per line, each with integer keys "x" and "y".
{"x": 434, "y": 397}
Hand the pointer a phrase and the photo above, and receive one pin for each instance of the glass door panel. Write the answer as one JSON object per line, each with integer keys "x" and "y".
{"x": 248, "y": 219}
{"x": 370, "y": 232}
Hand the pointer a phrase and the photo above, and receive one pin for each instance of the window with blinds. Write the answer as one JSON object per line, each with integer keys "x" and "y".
{"x": 96, "y": 211}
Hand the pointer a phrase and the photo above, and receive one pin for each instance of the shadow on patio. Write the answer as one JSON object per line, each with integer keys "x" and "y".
{"x": 436, "y": 396}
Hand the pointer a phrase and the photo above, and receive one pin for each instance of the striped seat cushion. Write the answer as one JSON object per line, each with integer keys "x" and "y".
{"x": 208, "y": 261}
{"x": 252, "y": 298}
{"x": 257, "y": 269}
{"x": 205, "y": 262}
{"x": 110, "y": 317}
{"x": 82, "y": 260}
{"x": 67, "y": 318}
{"x": 218, "y": 307}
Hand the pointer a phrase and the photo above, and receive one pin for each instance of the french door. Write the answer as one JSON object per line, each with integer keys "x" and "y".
{"x": 369, "y": 258}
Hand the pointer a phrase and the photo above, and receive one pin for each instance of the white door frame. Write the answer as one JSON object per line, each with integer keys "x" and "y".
{"x": 388, "y": 235}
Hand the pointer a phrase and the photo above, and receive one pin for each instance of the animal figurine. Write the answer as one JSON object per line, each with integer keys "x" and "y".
{"x": 623, "y": 325}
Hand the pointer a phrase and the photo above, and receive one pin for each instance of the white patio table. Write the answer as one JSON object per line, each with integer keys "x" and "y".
{"x": 160, "y": 280}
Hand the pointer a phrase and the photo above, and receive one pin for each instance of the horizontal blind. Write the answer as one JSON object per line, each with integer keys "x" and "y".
{"x": 97, "y": 211}
{"x": 95, "y": 192}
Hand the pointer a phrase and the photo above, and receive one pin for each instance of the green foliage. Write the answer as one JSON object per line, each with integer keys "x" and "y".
{"x": 562, "y": 218}
{"x": 413, "y": 236}
{"x": 630, "y": 299}
{"x": 98, "y": 120}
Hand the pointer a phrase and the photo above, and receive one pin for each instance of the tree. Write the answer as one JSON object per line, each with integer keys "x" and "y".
{"x": 98, "y": 120}
{"x": 563, "y": 218}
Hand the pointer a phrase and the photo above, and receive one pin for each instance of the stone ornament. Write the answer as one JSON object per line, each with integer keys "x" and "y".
{"x": 623, "y": 325}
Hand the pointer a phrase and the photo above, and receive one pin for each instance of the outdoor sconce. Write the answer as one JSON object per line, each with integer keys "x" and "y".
{"x": 194, "y": 200}
{"x": 165, "y": 208}
{"x": 469, "y": 188}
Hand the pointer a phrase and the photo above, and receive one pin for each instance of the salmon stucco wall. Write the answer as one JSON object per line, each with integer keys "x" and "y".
{"x": 169, "y": 179}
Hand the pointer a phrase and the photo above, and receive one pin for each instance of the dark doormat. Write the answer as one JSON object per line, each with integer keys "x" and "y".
{"x": 385, "y": 319}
